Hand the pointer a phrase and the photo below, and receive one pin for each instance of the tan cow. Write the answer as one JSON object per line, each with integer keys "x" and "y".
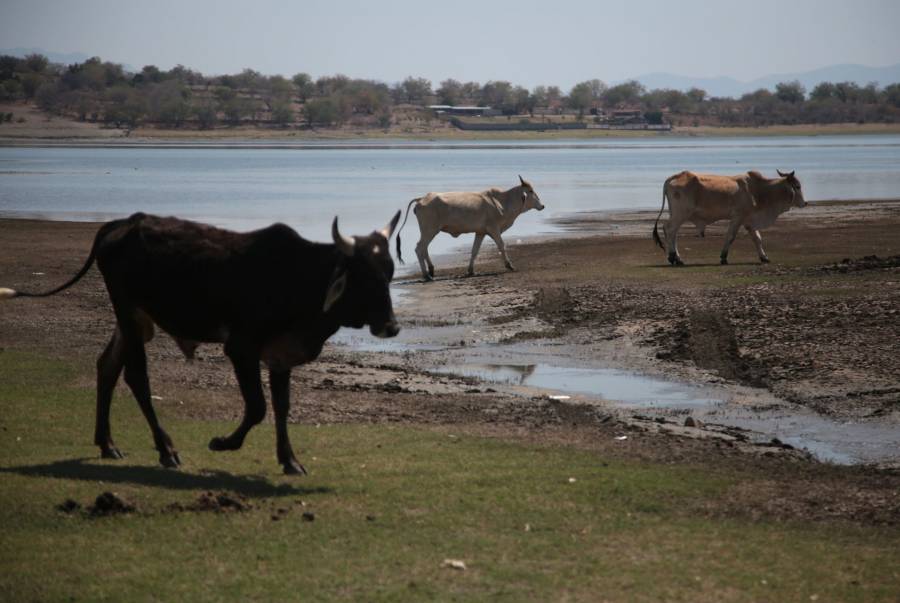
{"x": 749, "y": 200}
{"x": 489, "y": 213}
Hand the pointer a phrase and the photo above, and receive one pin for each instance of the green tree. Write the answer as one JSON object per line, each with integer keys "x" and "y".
{"x": 304, "y": 84}
{"x": 206, "y": 115}
{"x": 823, "y": 91}
{"x": 282, "y": 114}
{"x": 321, "y": 111}
{"x": 580, "y": 98}
{"x": 790, "y": 92}
{"x": 415, "y": 89}
{"x": 48, "y": 97}
{"x": 891, "y": 95}
{"x": 35, "y": 63}
{"x": 627, "y": 93}
{"x": 450, "y": 92}
{"x": 124, "y": 106}
{"x": 696, "y": 95}
{"x": 11, "y": 90}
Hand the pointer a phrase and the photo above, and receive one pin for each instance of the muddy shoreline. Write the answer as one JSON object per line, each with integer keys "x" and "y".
{"x": 816, "y": 330}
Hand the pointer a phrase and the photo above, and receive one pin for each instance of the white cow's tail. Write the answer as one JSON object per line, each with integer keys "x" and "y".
{"x": 399, "y": 253}
{"x": 656, "y": 224}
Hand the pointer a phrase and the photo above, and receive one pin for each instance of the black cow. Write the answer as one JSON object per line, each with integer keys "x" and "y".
{"x": 268, "y": 295}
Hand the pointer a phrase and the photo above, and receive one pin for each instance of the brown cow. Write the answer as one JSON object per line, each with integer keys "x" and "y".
{"x": 749, "y": 200}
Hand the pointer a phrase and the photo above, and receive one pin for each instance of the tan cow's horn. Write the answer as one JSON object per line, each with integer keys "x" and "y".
{"x": 344, "y": 244}
{"x": 388, "y": 230}
{"x": 783, "y": 175}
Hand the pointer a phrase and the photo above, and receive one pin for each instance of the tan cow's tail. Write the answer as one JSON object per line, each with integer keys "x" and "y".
{"x": 399, "y": 253}
{"x": 656, "y": 224}
{"x": 104, "y": 230}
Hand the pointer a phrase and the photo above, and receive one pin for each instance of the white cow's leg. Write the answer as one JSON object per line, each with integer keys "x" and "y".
{"x": 670, "y": 229}
{"x": 479, "y": 237}
{"x": 422, "y": 253}
{"x": 498, "y": 240}
{"x": 757, "y": 240}
{"x": 729, "y": 239}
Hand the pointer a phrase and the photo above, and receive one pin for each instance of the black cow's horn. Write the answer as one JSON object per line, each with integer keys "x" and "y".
{"x": 344, "y": 244}
{"x": 388, "y": 230}
{"x": 783, "y": 175}
{"x": 521, "y": 180}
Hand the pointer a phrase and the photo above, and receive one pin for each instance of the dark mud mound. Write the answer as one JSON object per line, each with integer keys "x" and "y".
{"x": 221, "y": 502}
{"x": 110, "y": 503}
{"x": 869, "y": 262}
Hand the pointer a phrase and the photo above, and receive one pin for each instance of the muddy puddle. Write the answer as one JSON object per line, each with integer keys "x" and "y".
{"x": 441, "y": 336}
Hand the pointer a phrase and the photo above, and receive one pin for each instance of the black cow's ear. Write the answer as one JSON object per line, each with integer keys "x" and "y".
{"x": 335, "y": 291}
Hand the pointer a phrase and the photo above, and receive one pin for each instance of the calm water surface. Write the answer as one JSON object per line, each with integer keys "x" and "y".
{"x": 364, "y": 183}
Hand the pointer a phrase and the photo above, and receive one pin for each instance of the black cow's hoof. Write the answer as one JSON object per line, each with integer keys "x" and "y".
{"x": 764, "y": 260}
{"x": 219, "y": 444}
{"x": 431, "y": 271}
{"x": 723, "y": 261}
{"x": 111, "y": 452}
{"x": 427, "y": 278}
{"x": 294, "y": 468}
{"x": 510, "y": 267}
{"x": 169, "y": 460}
{"x": 678, "y": 262}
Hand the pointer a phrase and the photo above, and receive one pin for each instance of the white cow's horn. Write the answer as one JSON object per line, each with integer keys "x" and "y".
{"x": 344, "y": 244}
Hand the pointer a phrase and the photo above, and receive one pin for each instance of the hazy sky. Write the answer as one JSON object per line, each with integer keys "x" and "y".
{"x": 527, "y": 42}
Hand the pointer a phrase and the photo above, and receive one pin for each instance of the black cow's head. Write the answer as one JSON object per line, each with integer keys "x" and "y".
{"x": 359, "y": 291}
{"x": 792, "y": 187}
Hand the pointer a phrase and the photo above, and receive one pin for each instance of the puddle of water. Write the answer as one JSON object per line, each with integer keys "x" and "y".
{"x": 827, "y": 439}
{"x": 842, "y": 442}
{"x": 629, "y": 389}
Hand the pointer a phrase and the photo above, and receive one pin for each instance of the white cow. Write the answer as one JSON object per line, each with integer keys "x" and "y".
{"x": 489, "y": 212}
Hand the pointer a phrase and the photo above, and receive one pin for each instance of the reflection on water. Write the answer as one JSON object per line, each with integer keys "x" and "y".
{"x": 628, "y": 389}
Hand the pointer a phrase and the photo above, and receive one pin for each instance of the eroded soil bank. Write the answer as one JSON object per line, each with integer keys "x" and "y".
{"x": 817, "y": 328}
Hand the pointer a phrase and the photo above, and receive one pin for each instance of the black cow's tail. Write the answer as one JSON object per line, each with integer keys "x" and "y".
{"x": 656, "y": 224}
{"x": 104, "y": 230}
{"x": 399, "y": 253}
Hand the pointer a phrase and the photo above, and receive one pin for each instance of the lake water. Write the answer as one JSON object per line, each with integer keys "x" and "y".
{"x": 306, "y": 185}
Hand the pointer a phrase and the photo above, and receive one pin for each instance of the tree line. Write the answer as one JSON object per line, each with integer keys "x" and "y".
{"x": 103, "y": 91}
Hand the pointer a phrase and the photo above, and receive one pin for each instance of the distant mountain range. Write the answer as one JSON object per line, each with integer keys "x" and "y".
{"x": 727, "y": 86}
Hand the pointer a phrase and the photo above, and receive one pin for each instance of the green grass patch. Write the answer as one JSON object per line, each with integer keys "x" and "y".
{"x": 390, "y": 504}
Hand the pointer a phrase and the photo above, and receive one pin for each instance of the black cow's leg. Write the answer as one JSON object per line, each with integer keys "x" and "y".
{"x": 246, "y": 368}
{"x": 280, "y": 382}
{"x": 109, "y": 367}
{"x": 137, "y": 379}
